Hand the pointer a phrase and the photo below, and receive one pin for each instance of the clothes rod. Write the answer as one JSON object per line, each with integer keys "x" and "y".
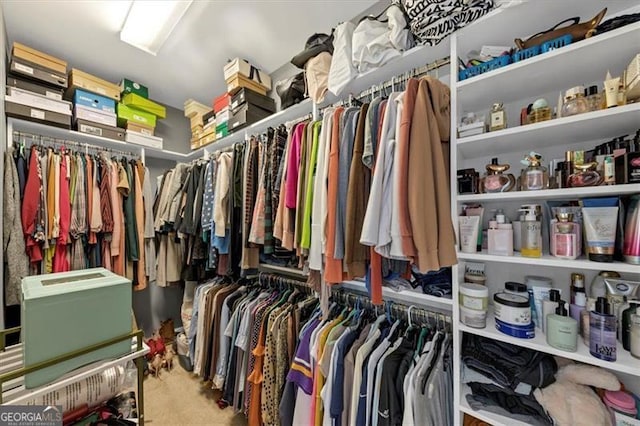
{"x": 19, "y": 137}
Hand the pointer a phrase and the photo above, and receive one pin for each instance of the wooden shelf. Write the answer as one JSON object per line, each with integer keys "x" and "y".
{"x": 553, "y": 262}
{"x": 553, "y": 194}
{"x": 624, "y": 363}
{"x": 556, "y": 70}
{"x": 589, "y": 126}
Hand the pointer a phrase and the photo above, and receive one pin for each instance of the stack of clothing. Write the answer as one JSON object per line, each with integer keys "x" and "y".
{"x": 502, "y": 378}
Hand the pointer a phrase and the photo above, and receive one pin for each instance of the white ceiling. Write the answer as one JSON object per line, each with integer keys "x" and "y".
{"x": 189, "y": 65}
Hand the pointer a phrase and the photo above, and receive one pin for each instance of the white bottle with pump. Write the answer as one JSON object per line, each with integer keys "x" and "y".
{"x": 500, "y": 236}
{"x": 531, "y": 229}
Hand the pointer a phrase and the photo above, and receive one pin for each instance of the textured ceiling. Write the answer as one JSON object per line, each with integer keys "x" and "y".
{"x": 190, "y": 63}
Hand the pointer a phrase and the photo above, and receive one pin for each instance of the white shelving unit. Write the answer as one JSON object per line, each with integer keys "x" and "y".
{"x": 516, "y": 85}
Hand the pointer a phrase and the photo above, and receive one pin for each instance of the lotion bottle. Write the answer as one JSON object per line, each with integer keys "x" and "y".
{"x": 549, "y": 306}
{"x": 531, "y": 235}
{"x": 602, "y": 332}
{"x": 500, "y": 236}
{"x": 562, "y": 330}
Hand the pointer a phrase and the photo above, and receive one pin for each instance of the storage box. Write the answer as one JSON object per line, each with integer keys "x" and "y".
{"x": 36, "y": 115}
{"x": 221, "y": 102}
{"x": 193, "y": 108}
{"x": 91, "y": 100}
{"x": 96, "y": 129}
{"x": 144, "y": 140}
{"x": 34, "y": 100}
{"x": 129, "y": 86}
{"x": 82, "y": 80}
{"x": 246, "y": 115}
{"x": 42, "y": 59}
{"x": 126, "y": 114}
{"x": 223, "y": 116}
{"x": 140, "y": 128}
{"x": 81, "y": 112}
{"x": 238, "y": 81}
{"x": 195, "y": 142}
{"x": 246, "y": 95}
{"x": 69, "y": 311}
{"x": 49, "y": 92}
{"x": 240, "y": 66}
{"x": 208, "y": 137}
{"x": 633, "y": 78}
{"x": 21, "y": 67}
{"x": 142, "y": 104}
{"x": 208, "y": 118}
{"x": 222, "y": 130}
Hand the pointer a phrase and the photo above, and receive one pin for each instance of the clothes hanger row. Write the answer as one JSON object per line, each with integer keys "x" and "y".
{"x": 266, "y": 279}
{"x": 411, "y": 314}
{"x": 21, "y": 138}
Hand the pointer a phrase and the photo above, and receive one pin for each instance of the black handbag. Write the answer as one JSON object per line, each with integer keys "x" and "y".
{"x": 291, "y": 91}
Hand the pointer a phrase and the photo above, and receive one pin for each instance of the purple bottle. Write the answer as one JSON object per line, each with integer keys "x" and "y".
{"x": 602, "y": 332}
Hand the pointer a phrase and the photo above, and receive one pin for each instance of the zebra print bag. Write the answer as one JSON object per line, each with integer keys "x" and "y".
{"x": 433, "y": 20}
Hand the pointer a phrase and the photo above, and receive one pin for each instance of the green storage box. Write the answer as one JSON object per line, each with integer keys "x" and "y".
{"x": 68, "y": 311}
{"x": 128, "y": 86}
{"x": 138, "y": 102}
{"x": 126, "y": 114}
{"x": 222, "y": 130}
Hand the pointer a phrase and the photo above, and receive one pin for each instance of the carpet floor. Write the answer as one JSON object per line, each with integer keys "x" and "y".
{"x": 179, "y": 398}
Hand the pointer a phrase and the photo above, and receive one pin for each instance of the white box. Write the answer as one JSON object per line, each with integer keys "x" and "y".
{"x": 223, "y": 116}
{"x": 144, "y": 140}
{"x": 24, "y": 97}
{"x": 243, "y": 67}
{"x": 97, "y": 116}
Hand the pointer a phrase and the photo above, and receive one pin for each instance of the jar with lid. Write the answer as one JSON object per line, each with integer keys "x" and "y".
{"x": 498, "y": 117}
{"x": 574, "y": 102}
{"x": 634, "y": 336}
{"x": 535, "y": 176}
{"x": 594, "y": 99}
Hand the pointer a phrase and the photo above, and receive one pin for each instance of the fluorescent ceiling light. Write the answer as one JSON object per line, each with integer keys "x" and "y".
{"x": 149, "y": 23}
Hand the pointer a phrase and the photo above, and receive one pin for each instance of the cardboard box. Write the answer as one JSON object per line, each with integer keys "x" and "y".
{"x": 42, "y": 59}
{"x": 34, "y": 72}
{"x": 82, "y": 80}
{"x": 140, "y": 128}
{"x": 96, "y": 129}
{"x": 222, "y": 130}
{"x": 193, "y": 108}
{"x": 49, "y": 92}
{"x": 221, "y": 102}
{"x": 240, "y": 66}
{"x": 208, "y": 118}
{"x": 633, "y": 78}
{"x": 138, "y": 102}
{"x": 68, "y": 311}
{"x": 238, "y": 81}
{"x": 195, "y": 143}
{"x": 127, "y": 114}
{"x": 81, "y": 112}
{"x": 129, "y": 86}
{"x": 246, "y": 115}
{"x": 34, "y": 100}
{"x": 249, "y": 96}
{"x": 91, "y": 100}
{"x": 223, "y": 116}
{"x": 36, "y": 115}
{"x": 208, "y": 138}
{"x": 144, "y": 140}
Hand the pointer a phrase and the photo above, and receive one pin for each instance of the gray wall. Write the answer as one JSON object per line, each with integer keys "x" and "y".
{"x": 175, "y": 130}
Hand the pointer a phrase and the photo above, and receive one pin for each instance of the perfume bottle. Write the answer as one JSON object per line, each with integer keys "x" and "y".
{"x": 535, "y": 176}
{"x": 585, "y": 175}
{"x": 498, "y": 117}
{"x": 575, "y": 102}
{"x": 602, "y": 332}
{"x": 500, "y": 236}
{"x": 564, "y": 237}
{"x": 495, "y": 180}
